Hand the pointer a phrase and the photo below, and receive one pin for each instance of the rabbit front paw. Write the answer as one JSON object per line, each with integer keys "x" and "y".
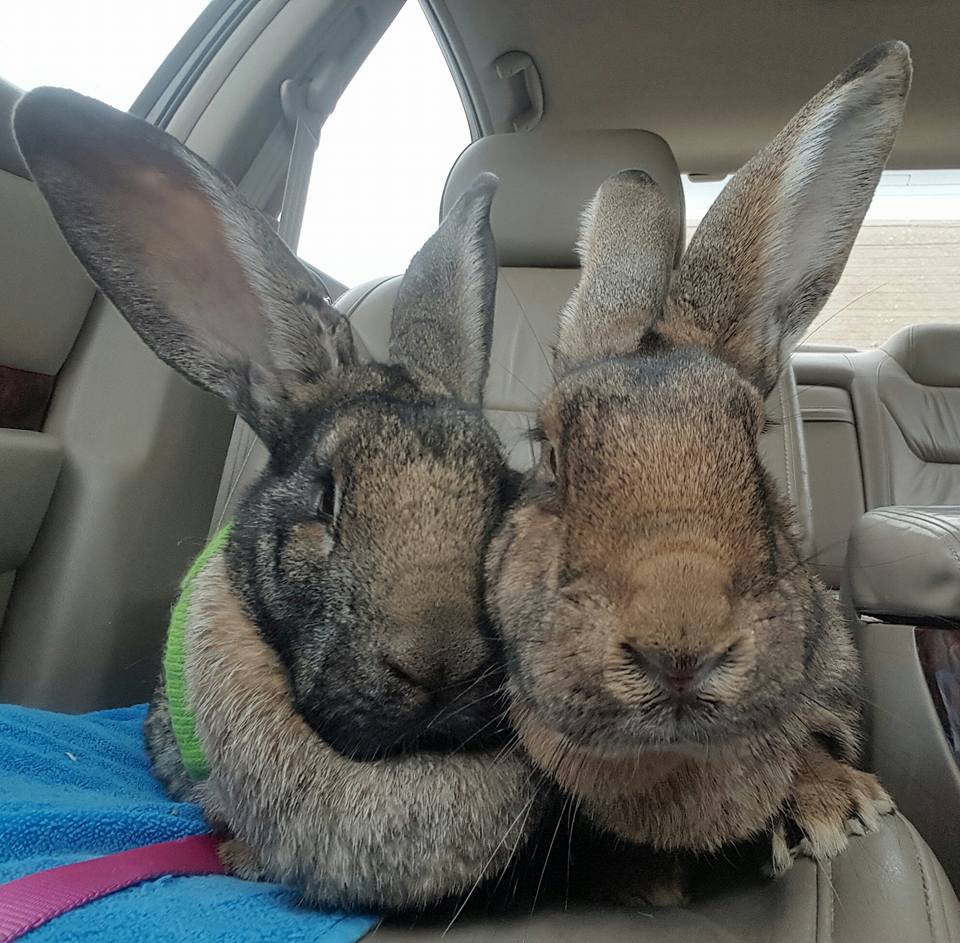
{"x": 829, "y": 802}
{"x": 240, "y": 860}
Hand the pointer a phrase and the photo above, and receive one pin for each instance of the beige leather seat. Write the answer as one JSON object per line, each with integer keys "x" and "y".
{"x": 902, "y": 561}
{"x": 886, "y": 887}
{"x": 906, "y": 397}
{"x": 882, "y": 428}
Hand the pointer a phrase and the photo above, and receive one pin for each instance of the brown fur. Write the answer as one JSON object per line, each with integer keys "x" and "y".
{"x": 594, "y": 322}
{"x": 828, "y": 801}
{"x": 390, "y": 833}
{"x": 673, "y": 663}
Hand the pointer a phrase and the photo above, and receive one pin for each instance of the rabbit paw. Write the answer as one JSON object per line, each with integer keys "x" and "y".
{"x": 829, "y": 802}
{"x": 240, "y": 860}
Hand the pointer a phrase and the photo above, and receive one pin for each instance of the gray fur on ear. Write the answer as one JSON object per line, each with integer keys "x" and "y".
{"x": 764, "y": 260}
{"x": 628, "y": 240}
{"x": 198, "y": 273}
{"x": 442, "y": 323}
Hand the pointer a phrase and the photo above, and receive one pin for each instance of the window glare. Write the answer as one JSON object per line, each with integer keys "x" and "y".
{"x": 905, "y": 265}
{"x": 384, "y": 156}
{"x": 105, "y": 48}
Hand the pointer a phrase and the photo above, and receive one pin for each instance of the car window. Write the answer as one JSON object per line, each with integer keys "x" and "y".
{"x": 105, "y": 48}
{"x": 904, "y": 267}
{"x": 383, "y": 157}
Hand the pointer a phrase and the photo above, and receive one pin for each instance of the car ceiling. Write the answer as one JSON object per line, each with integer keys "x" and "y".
{"x": 716, "y": 78}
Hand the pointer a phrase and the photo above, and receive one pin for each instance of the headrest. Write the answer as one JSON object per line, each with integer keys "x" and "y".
{"x": 548, "y": 177}
{"x": 10, "y": 158}
{"x": 930, "y": 353}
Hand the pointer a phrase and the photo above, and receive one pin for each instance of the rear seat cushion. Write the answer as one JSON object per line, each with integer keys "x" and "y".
{"x": 528, "y": 303}
{"x": 903, "y": 564}
{"x": 907, "y": 401}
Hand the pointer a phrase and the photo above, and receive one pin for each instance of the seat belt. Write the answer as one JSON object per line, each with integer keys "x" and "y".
{"x": 306, "y": 106}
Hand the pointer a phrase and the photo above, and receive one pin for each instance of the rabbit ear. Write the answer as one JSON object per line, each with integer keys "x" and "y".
{"x": 198, "y": 273}
{"x": 628, "y": 240}
{"x": 764, "y": 260}
{"x": 443, "y": 317}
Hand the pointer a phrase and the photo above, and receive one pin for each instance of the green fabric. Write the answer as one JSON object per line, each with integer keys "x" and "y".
{"x": 181, "y": 716}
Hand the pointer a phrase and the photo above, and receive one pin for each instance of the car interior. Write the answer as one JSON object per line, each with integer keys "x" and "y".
{"x": 114, "y": 469}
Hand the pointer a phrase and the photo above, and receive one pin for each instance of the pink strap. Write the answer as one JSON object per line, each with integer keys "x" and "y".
{"x": 31, "y": 901}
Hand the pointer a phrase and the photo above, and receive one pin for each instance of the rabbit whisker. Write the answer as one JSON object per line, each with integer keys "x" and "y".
{"x": 446, "y": 713}
{"x": 524, "y": 813}
{"x": 546, "y": 860}
{"x": 495, "y": 720}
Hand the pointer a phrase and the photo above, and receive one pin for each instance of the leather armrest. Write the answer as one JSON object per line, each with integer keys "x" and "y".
{"x": 903, "y": 565}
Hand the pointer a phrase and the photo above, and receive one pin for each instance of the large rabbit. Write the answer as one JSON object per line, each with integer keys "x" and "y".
{"x": 673, "y": 662}
{"x": 336, "y": 655}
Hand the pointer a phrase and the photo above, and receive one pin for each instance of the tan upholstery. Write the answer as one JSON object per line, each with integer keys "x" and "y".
{"x": 904, "y": 562}
{"x": 46, "y": 295}
{"x": 28, "y": 472}
{"x": 906, "y": 396}
{"x": 547, "y": 178}
{"x": 833, "y": 456}
{"x": 90, "y": 554}
{"x": 46, "y": 291}
{"x": 929, "y": 353}
{"x": 886, "y": 888}
{"x": 882, "y": 427}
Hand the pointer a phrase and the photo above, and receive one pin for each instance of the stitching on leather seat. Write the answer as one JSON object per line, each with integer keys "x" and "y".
{"x": 924, "y": 878}
{"x": 823, "y": 928}
{"x": 884, "y": 435}
{"x": 787, "y": 464}
{"x": 349, "y": 313}
{"x": 945, "y": 893}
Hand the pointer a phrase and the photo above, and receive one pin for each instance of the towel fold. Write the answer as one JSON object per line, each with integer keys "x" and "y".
{"x": 74, "y": 787}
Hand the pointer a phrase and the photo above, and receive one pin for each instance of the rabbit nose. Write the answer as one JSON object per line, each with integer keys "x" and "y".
{"x": 678, "y": 675}
{"x": 419, "y": 673}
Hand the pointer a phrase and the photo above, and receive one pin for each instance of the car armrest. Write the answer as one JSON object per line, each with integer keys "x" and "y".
{"x": 903, "y": 565}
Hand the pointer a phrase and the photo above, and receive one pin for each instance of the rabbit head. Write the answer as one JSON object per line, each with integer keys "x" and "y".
{"x": 649, "y": 584}
{"x": 358, "y": 553}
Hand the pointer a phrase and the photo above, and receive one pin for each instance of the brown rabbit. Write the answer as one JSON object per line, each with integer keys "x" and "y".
{"x": 673, "y": 662}
{"x": 341, "y": 675}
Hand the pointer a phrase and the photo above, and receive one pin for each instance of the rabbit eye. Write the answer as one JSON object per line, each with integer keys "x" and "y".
{"x": 550, "y": 455}
{"x": 328, "y": 500}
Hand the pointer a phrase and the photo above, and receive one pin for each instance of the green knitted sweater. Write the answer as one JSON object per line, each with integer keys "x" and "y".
{"x": 181, "y": 714}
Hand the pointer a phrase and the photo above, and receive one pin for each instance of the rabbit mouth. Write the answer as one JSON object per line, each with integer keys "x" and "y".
{"x": 687, "y": 728}
{"x": 457, "y": 722}
{"x": 582, "y": 765}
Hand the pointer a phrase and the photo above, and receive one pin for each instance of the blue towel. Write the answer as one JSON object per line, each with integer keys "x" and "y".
{"x": 74, "y": 787}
